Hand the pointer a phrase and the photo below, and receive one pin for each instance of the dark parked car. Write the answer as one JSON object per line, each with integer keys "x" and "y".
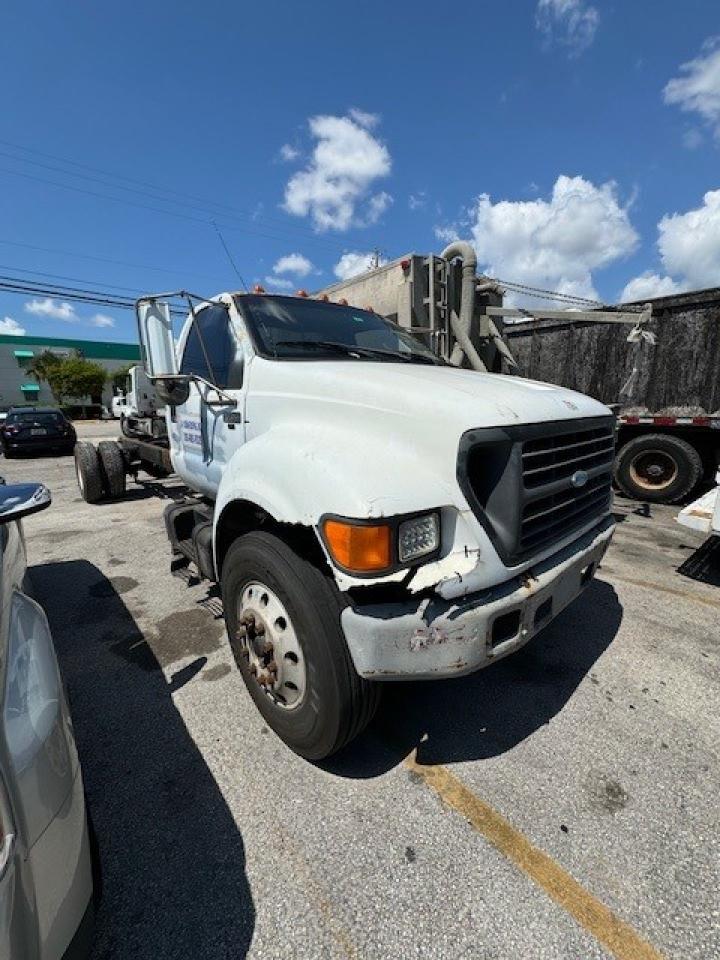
{"x": 36, "y": 429}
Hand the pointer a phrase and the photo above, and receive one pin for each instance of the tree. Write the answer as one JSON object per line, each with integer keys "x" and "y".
{"x": 76, "y": 377}
{"x": 43, "y": 365}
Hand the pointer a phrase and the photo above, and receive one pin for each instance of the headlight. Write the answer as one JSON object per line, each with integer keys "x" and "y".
{"x": 365, "y": 547}
{"x": 418, "y": 536}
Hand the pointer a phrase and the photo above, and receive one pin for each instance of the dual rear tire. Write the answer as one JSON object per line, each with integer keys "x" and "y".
{"x": 100, "y": 472}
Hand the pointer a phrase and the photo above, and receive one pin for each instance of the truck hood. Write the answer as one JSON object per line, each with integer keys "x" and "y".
{"x": 464, "y": 399}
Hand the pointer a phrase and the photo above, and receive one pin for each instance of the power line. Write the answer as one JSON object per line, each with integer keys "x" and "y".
{"x": 56, "y": 276}
{"x": 187, "y": 200}
{"x": 170, "y": 213}
{"x": 23, "y": 287}
{"x": 87, "y": 256}
{"x": 235, "y": 211}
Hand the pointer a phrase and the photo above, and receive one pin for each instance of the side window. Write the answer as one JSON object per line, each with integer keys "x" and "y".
{"x": 222, "y": 350}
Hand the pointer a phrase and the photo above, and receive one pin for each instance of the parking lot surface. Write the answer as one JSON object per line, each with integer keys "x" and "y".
{"x": 562, "y": 803}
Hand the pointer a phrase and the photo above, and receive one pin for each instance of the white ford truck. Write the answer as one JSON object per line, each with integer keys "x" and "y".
{"x": 371, "y": 512}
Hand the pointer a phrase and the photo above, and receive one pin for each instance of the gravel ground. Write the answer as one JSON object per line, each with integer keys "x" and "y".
{"x": 598, "y": 742}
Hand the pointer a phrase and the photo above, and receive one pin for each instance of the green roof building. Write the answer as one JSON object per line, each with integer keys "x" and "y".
{"x": 18, "y": 387}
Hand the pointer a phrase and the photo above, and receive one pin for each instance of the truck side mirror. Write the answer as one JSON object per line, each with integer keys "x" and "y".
{"x": 156, "y": 337}
{"x": 173, "y": 392}
{"x": 19, "y": 500}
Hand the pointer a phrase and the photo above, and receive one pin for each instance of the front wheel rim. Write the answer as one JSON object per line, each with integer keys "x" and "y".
{"x": 653, "y": 470}
{"x": 269, "y": 645}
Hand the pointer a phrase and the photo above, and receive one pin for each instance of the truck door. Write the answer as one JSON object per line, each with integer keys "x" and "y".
{"x": 205, "y": 430}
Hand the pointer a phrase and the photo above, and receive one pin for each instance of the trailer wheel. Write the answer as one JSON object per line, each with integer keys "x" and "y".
{"x": 87, "y": 470}
{"x": 658, "y": 468}
{"x": 113, "y": 467}
{"x": 283, "y": 621}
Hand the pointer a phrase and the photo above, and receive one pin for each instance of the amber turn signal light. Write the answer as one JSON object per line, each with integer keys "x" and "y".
{"x": 359, "y": 547}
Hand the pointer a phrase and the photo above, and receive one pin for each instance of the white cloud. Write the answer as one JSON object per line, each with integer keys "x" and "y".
{"x": 60, "y": 310}
{"x": 49, "y": 308}
{"x": 277, "y": 283}
{"x": 698, "y": 91}
{"x": 354, "y": 262}
{"x": 11, "y": 327}
{"x": 570, "y": 23}
{"x": 689, "y": 243}
{"x": 367, "y": 120}
{"x": 102, "y": 320}
{"x": 293, "y": 263}
{"x": 377, "y": 205}
{"x": 333, "y": 189}
{"x": 416, "y": 201}
{"x": 288, "y": 153}
{"x": 647, "y": 286}
{"x": 556, "y": 243}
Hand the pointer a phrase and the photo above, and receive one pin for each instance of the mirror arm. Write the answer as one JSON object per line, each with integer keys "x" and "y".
{"x": 224, "y": 399}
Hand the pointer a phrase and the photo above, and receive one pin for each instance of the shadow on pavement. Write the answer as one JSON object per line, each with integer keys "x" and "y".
{"x": 173, "y": 860}
{"x": 489, "y": 712}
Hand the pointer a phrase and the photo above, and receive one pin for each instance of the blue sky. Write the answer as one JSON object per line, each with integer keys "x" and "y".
{"x": 564, "y": 137}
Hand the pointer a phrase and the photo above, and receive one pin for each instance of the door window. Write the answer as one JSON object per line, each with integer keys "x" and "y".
{"x": 225, "y": 363}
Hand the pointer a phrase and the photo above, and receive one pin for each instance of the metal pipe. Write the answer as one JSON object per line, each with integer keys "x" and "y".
{"x": 461, "y": 324}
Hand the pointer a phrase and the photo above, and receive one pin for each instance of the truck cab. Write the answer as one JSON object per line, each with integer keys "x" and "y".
{"x": 371, "y": 512}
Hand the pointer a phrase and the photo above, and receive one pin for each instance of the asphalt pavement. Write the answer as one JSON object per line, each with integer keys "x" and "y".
{"x": 562, "y": 803}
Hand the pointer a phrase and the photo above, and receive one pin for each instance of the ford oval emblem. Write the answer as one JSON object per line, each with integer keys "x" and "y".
{"x": 579, "y": 479}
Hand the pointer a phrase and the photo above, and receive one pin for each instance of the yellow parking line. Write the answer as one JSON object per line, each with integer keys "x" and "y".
{"x": 614, "y": 934}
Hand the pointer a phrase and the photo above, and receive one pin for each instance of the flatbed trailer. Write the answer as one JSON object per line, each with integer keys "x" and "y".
{"x": 664, "y": 388}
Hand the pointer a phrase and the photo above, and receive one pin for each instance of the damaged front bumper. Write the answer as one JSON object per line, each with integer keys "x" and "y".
{"x": 428, "y": 637}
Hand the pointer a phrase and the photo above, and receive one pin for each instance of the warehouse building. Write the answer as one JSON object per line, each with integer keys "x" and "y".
{"x": 18, "y": 387}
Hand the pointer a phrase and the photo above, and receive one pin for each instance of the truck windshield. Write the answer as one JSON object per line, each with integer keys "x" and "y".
{"x": 295, "y": 328}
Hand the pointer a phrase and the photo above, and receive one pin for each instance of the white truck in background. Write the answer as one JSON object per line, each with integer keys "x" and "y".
{"x": 138, "y": 400}
{"x": 370, "y": 511}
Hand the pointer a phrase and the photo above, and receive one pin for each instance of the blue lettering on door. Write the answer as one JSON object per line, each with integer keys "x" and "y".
{"x": 191, "y": 433}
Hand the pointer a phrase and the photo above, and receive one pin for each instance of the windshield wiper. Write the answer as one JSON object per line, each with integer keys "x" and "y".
{"x": 349, "y": 350}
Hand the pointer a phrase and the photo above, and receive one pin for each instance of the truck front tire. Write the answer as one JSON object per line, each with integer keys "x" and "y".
{"x": 113, "y": 467}
{"x": 658, "y": 468}
{"x": 89, "y": 474}
{"x": 283, "y": 621}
